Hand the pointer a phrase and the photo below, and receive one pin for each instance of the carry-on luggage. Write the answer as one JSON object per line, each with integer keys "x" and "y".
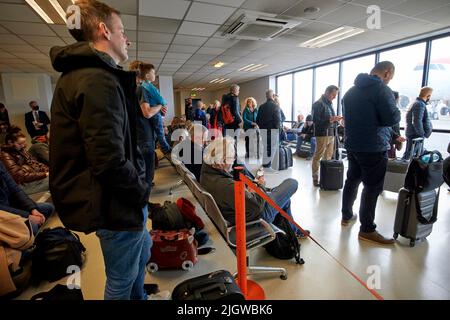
{"x": 218, "y": 285}
{"x": 416, "y": 213}
{"x": 282, "y": 159}
{"x": 173, "y": 250}
{"x": 331, "y": 174}
{"x": 305, "y": 150}
{"x": 396, "y": 168}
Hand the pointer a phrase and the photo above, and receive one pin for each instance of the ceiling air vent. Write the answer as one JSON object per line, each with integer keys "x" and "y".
{"x": 255, "y": 27}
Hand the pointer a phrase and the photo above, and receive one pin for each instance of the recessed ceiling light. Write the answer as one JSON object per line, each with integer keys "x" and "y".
{"x": 218, "y": 64}
{"x": 311, "y": 10}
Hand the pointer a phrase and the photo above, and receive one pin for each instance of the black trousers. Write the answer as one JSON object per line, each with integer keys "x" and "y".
{"x": 370, "y": 169}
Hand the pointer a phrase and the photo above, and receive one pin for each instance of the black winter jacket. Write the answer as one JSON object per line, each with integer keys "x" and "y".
{"x": 97, "y": 174}
{"x": 322, "y": 111}
{"x": 370, "y": 111}
{"x": 269, "y": 115}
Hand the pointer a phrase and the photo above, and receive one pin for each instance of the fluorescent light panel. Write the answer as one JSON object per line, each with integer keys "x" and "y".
{"x": 39, "y": 11}
{"x": 333, "y": 36}
{"x": 253, "y": 67}
{"x": 59, "y": 9}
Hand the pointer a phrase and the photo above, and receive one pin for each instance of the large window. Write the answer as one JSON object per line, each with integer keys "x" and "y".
{"x": 351, "y": 68}
{"x": 407, "y": 80}
{"x": 303, "y": 92}
{"x": 284, "y": 91}
{"x": 325, "y": 76}
{"x": 439, "y": 80}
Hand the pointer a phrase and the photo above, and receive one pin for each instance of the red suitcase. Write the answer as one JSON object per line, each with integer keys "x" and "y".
{"x": 173, "y": 250}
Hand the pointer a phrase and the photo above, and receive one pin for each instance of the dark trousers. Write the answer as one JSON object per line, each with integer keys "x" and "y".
{"x": 254, "y": 140}
{"x": 370, "y": 169}
{"x": 149, "y": 157}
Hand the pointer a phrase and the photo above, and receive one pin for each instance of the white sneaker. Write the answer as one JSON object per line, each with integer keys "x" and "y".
{"x": 162, "y": 295}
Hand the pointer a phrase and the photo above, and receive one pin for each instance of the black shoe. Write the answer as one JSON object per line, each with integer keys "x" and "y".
{"x": 151, "y": 288}
{"x": 349, "y": 221}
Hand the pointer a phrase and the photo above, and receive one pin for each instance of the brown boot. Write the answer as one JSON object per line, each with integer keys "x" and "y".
{"x": 375, "y": 237}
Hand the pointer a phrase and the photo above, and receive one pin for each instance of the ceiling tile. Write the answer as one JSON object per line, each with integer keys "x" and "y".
{"x": 183, "y": 49}
{"x": 41, "y": 40}
{"x": 12, "y": 48}
{"x": 155, "y": 37}
{"x": 326, "y": 6}
{"x": 220, "y": 43}
{"x": 151, "y": 54}
{"x": 18, "y": 12}
{"x": 28, "y": 28}
{"x": 439, "y": 15}
{"x": 231, "y": 3}
{"x": 129, "y": 21}
{"x": 10, "y": 39}
{"x": 383, "y": 4}
{"x": 197, "y": 29}
{"x": 152, "y": 46}
{"x": 125, "y": 7}
{"x": 416, "y": 7}
{"x": 61, "y": 30}
{"x": 3, "y": 30}
{"x": 409, "y": 27}
{"x": 386, "y": 19}
{"x": 30, "y": 56}
{"x": 171, "y": 9}
{"x": 131, "y": 35}
{"x": 269, "y": 6}
{"x": 174, "y": 61}
{"x": 6, "y": 55}
{"x": 189, "y": 40}
{"x": 172, "y": 55}
{"x": 207, "y": 50}
{"x": 208, "y": 13}
{"x": 158, "y": 24}
{"x": 345, "y": 14}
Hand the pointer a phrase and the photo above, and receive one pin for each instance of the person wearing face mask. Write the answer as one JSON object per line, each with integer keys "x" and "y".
{"x": 418, "y": 124}
{"x": 36, "y": 121}
{"x": 369, "y": 111}
{"x": 30, "y": 174}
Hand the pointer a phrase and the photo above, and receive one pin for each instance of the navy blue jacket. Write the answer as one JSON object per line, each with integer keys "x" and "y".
{"x": 369, "y": 111}
{"x": 12, "y": 198}
{"x": 418, "y": 124}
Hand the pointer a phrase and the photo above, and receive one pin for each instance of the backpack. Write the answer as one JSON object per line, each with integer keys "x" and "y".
{"x": 227, "y": 116}
{"x": 425, "y": 172}
{"x": 285, "y": 246}
{"x": 56, "y": 249}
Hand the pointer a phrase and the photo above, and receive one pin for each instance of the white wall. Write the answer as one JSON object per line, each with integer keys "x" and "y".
{"x": 20, "y": 88}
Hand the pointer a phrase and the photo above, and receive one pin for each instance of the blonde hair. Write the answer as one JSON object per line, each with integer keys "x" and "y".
{"x": 220, "y": 151}
{"x": 425, "y": 91}
{"x": 252, "y": 100}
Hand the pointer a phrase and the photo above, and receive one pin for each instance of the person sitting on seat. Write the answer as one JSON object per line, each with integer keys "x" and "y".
{"x": 30, "y": 174}
{"x": 14, "y": 200}
{"x": 217, "y": 179}
{"x": 292, "y": 134}
{"x": 307, "y": 135}
{"x": 40, "y": 149}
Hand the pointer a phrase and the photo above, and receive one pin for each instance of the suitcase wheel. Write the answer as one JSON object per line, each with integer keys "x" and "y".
{"x": 395, "y": 235}
{"x": 412, "y": 243}
{"x": 187, "y": 265}
{"x": 152, "y": 267}
{"x": 283, "y": 277}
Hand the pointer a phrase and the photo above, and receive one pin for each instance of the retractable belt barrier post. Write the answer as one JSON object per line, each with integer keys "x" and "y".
{"x": 240, "y": 182}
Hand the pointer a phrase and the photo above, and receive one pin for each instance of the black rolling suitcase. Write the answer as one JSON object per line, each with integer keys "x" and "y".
{"x": 289, "y": 161}
{"x": 332, "y": 172}
{"x": 305, "y": 150}
{"x": 218, "y": 285}
{"x": 283, "y": 159}
{"x": 416, "y": 213}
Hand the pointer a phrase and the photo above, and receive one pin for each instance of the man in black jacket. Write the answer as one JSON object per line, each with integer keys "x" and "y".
{"x": 269, "y": 123}
{"x": 324, "y": 119}
{"x": 97, "y": 176}
{"x": 369, "y": 113}
{"x": 232, "y": 99}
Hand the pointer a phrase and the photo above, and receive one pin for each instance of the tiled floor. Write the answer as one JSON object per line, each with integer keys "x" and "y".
{"x": 405, "y": 273}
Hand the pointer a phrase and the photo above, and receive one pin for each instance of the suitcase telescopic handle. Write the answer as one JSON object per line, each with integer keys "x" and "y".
{"x": 213, "y": 287}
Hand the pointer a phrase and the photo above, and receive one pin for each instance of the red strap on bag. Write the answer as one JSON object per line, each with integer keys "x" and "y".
{"x": 187, "y": 209}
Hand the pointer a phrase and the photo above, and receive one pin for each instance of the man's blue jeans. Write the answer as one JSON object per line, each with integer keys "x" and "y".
{"x": 300, "y": 142}
{"x": 282, "y": 197}
{"x": 126, "y": 254}
{"x": 158, "y": 124}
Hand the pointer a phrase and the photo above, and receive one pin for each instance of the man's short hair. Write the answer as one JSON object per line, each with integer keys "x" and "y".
{"x": 234, "y": 87}
{"x": 31, "y": 102}
{"x": 425, "y": 91}
{"x": 92, "y": 13}
{"x": 270, "y": 94}
{"x": 141, "y": 68}
{"x": 383, "y": 66}
{"x": 330, "y": 89}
